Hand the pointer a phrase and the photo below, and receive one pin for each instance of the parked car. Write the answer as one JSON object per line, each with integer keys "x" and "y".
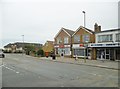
{"x": 2, "y": 55}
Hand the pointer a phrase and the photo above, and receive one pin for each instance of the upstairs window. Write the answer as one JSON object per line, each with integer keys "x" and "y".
{"x": 66, "y": 40}
{"x": 86, "y": 38}
{"x": 59, "y": 40}
{"x": 118, "y": 37}
{"x": 76, "y": 38}
{"x": 105, "y": 38}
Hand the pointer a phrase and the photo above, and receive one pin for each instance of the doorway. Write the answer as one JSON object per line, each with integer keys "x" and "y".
{"x": 107, "y": 54}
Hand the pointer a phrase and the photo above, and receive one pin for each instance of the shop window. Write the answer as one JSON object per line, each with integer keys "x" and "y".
{"x": 67, "y": 51}
{"x": 79, "y": 52}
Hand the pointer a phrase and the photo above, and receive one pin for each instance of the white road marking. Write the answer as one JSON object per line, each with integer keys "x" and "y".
{"x": 11, "y": 69}
{"x": 17, "y": 72}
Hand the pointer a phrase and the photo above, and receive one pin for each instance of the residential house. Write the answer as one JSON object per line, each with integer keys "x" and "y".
{"x": 63, "y": 42}
{"x": 107, "y": 44}
{"x": 48, "y": 48}
{"x": 20, "y": 46}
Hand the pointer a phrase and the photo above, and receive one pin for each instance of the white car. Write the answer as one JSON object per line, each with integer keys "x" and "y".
{"x": 2, "y": 55}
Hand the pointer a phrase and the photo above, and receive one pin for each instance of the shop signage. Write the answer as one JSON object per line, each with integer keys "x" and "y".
{"x": 105, "y": 45}
{"x": 61, "y": 46}
{"x": 81, "y": 45}
{"x": 78, "y": 46}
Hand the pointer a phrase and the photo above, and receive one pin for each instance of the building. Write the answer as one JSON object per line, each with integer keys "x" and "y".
{"x": 107, "y": 44}
{"x": 80, "y": 40}
{"x": 119, "y": 14}
{"x": 63, "y": 42}
{"x": 19, "y": 47}
{"x": 48, "y": 48}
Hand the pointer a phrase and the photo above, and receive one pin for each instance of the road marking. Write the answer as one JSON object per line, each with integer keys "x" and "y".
{"x": 17, "y": 72}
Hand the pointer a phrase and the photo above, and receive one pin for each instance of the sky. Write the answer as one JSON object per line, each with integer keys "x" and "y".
{"x": 41, "y": 20}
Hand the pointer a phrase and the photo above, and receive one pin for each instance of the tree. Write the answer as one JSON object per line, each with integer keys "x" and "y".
{"x": 29, "y": 49}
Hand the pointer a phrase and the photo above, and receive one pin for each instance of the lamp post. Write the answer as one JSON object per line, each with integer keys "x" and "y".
{"x": 23, "y": 44}
{"x": 84, "y": 26}
{"x": 84, "y": 18}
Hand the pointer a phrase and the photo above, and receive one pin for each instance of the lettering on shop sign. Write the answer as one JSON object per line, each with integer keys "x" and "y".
{"x": 105, "y": 45}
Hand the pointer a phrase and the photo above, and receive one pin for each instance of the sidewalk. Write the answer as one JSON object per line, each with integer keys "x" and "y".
{"x": 94, "y": 63}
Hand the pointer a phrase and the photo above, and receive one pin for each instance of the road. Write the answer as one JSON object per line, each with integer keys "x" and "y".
{"x": 24, "y": 71}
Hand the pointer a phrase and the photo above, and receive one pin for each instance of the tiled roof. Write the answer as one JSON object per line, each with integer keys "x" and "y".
{"x": 89, "y": 30}
{"x": 69, "y": 31}
{"x": 92, "y": 32}
{"x": 20, "y": 44}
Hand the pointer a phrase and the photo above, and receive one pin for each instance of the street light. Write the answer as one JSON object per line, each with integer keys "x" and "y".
{"x": 23, "y": 43}
{"x": 84, "y": 18}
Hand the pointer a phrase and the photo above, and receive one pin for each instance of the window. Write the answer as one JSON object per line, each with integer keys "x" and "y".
{"x": 79, "y": 52}
{"x": 86, "y": 38}
{"x": 105, "y": 38}
{"x": 65, "y": 40}
{"x": 67, "y": 51}
{"x": 59, "y": 40}
{"x": 118, "y": 37}
{"x": 76, "y": 38}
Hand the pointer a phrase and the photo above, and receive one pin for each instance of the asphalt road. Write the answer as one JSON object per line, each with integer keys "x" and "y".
{"x": 24, "y": 71}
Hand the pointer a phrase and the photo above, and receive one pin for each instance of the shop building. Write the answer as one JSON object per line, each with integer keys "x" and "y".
{"x": 107, "y": 44}
{"x": 80, "y": 40}
{"x": 63, "y": 42}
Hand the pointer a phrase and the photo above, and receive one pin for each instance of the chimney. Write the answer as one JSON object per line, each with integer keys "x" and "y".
{"x": 97, "y": 28}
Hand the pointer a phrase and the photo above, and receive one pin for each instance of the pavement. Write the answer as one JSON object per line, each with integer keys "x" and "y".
{"x": 95, "y": 63}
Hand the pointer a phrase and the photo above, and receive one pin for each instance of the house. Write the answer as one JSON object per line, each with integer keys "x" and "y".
{"x": 19, "y": 47}
{"x": 48, "y": 48}
{"x": 8, "y": 48}
{"x": 63, "y": 42}
{"x": 107, "y": 44}
{"x": 80, "y": 40}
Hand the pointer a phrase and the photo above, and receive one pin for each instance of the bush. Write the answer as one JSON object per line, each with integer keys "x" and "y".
{"x": 40, "y": 52}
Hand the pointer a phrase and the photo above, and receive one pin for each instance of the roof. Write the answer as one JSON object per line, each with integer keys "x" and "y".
{"x": 109, "y": 30}
{"x": 88, "y": 30}
{"x": 69, "y": 32}
{"x": 20, "y": 44}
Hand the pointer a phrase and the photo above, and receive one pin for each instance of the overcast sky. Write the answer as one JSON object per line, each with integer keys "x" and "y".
{"x": 40, "y": 20}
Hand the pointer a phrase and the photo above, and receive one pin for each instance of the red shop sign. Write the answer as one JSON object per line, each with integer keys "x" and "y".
{"x": 61, "y": 46}
{"x": 81, "y": 45}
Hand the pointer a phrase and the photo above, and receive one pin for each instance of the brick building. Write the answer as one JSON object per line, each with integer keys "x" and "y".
{"x": 63, "y": 42}
{"x": 80, "y": 40}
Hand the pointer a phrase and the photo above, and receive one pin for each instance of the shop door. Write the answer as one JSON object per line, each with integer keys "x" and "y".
{"x": 107, "y": 54}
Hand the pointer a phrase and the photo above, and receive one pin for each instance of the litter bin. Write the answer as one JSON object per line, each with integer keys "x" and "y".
{"x": 53, "y": 57}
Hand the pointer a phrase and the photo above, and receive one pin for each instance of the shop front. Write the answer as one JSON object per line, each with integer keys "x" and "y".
{"x": 109, "y": 51}
{"x": 63, "y": 49}
{"x": 81, "y": 50}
